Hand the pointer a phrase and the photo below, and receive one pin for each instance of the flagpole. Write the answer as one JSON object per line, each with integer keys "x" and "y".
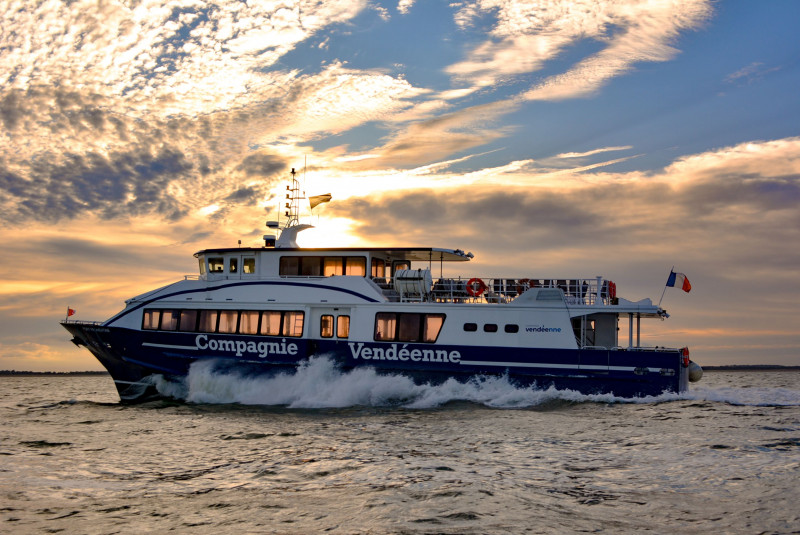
{"x": 665, "y": 287}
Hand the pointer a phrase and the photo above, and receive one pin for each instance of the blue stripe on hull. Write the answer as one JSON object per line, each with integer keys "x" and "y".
{"x": 130, "y": 356}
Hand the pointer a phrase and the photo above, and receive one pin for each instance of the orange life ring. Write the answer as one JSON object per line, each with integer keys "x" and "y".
{"x": 475, "y": 287}
{"x": 685, "y": 356}
{"x": 523, "y": 285}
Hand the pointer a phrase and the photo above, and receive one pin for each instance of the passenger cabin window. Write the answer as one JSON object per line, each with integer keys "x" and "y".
{"x": 311, "y": 266}
{"x": 271, "y": 323}
{"x": 228, "y": 321}
{"x": 188, "y": 320}
{"x": 333, "y": 266}
{"x": 356, "y": 266}
{"x": 292, "y": 324}
{"x": 150, "y": 319}
{"x": 407, "y": 327}
{"x": 208, "y": 321}
{"x": 234, "y": 265}
{"x": 169, "y": 320}
{"x": 248, "y": 322}
{"x": 249, "y": 265}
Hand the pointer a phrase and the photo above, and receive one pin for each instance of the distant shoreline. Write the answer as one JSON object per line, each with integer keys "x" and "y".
{"x": 724, "y": 368}
{"x": 15, "y": 373}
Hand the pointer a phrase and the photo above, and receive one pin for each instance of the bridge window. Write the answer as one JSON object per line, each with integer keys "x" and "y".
{"x": 216, "y": 264}
{"x": 234, "y": 265}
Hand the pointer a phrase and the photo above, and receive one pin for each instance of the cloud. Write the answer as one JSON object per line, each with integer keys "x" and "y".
{"x": 260, "y": 164}
{"x": 750, "y": 74}
{"x": 174, "y": 58}
{"x": 706, "y": 206}
{"x": 528, "y": 35}
{"x": 592, "y": 152}
{"x": 116, "y": 185}
{"x": 426, "y": 141}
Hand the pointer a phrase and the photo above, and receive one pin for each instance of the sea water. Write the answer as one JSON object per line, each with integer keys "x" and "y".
{"x": 326, "y": 452}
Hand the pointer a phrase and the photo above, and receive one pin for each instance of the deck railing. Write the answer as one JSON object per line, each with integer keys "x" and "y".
{"x": 496, "y": 290}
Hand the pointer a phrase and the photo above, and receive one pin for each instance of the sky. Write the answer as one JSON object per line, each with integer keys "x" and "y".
{"x": 561, "y": 139}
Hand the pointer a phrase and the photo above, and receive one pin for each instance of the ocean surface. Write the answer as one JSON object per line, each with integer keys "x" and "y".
{"x": 325, "y": 452}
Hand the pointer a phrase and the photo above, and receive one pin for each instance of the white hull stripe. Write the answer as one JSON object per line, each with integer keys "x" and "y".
{"x": 169, "y": 346}
{"x": 540, "y": 365}
{"x": 131, "y": 383}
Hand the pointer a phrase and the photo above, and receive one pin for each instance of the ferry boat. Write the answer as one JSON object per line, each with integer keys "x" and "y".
{"x": 269, "y": 309}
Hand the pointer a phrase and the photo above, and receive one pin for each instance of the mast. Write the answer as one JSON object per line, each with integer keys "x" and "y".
{"x": 293, "y": 197}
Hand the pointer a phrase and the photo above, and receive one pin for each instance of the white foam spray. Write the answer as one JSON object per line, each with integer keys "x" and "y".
{"x": 318, "y": 383}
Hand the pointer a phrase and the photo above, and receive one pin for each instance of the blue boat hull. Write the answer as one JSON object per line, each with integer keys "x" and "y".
{"x": 133, "y": 357}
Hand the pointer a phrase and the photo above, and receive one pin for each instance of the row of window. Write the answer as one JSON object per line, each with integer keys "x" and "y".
{"x": 263, "y": 322}
{"x": 389, "y": 326}
{"x": 491, "y": 327}
{"x": 216, "y": 264}
{"x": 316, "y": 266}
{"x": 307, "y": 266}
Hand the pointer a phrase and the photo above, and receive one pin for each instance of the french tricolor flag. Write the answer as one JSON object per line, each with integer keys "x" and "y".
{"x": 679, "y": 280}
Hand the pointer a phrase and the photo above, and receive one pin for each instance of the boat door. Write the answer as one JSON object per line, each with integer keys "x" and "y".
{"x": 330, "y": 324}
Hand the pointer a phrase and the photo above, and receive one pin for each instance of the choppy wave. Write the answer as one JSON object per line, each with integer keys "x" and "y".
{"x": 318, "y": 383}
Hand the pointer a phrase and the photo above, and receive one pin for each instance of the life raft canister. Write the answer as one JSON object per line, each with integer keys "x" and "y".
{"x": 685, "y": 357}
{"x": 523, "y": 285}
{"x": 476, "y": 287}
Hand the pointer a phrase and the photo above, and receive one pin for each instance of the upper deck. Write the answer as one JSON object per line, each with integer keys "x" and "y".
{"x": 404, "y": 274}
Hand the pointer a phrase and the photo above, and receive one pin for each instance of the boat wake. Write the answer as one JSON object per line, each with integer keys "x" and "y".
{"x": 318, "y": 383}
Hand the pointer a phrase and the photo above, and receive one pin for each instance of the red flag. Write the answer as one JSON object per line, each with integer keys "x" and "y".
{"x": 70, "y": 312}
